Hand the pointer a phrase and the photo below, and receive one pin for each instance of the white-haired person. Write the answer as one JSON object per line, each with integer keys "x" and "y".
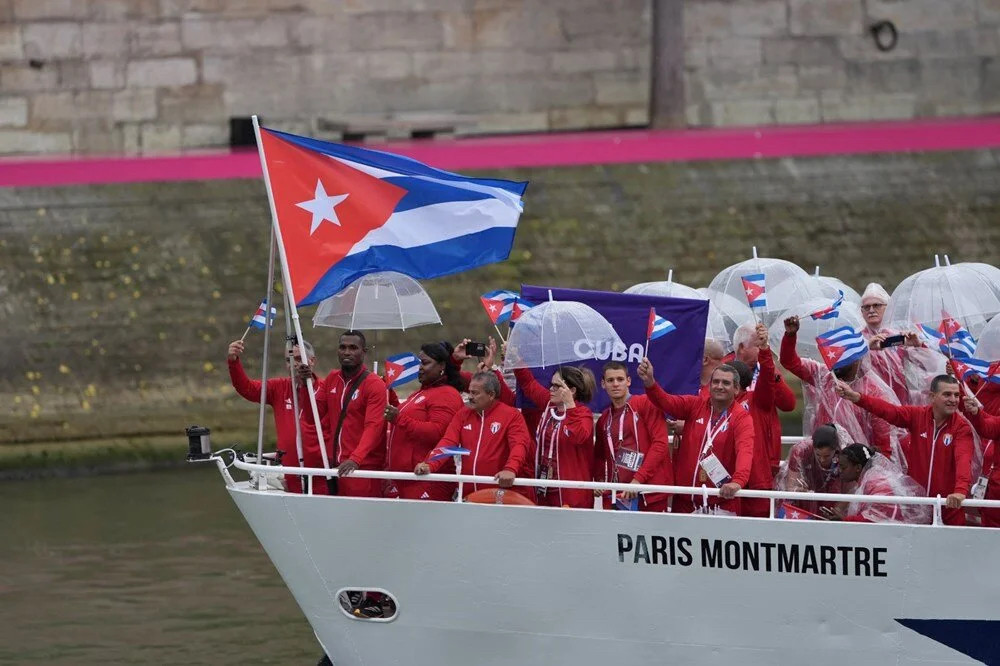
{"x": 902, "y": 357}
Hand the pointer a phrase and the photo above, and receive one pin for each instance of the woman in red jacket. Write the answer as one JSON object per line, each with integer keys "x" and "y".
{"x": 564, "y": 438}
{"x": 417, "y": 426}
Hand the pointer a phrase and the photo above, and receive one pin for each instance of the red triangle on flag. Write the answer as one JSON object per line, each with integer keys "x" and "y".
{"x": 294, "y": 173}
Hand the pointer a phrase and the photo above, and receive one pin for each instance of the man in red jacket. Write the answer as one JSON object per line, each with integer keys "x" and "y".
{"x": 988, "y": 427}
{"x": 632, "y": 444}
{"x": 717, "y": 443}
{"x": 279, "y": 396}
{"x": 351, "y": 411}
{"x": 940, "y": 447}
{"x": 494, "y": 433}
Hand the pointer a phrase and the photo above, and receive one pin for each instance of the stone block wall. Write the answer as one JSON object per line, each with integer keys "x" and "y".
{"x": 118, "y": 301}
{"x": 759, "y": 62}
{"x": 131, "y": 76}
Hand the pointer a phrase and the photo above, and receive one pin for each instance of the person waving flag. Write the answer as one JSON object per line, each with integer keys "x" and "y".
{"x": 342, "y": 212}
{"x": 841, "y": 346}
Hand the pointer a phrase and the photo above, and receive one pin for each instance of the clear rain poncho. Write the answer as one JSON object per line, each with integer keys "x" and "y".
{"x": 803, "y": 473}
{"x": 823, "y": 405}
{"x": 881, "y": 476}
{"x": 907, "y": 371}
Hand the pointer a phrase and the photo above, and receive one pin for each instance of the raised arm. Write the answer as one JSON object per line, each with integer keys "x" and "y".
{"x": 678, "y": 406}
{"x": 532, "y": 390}
{"x": 790, "y": 359}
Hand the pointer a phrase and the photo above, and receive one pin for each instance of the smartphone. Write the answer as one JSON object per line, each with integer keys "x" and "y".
{"x": 893, "y": 341}
{"x": 476, "y": 349}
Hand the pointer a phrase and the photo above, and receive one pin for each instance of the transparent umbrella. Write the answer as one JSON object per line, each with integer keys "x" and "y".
{"x": 991, "y": 273}
{"x": 558, "y": 332}
{"x": 958, "y": 291}
{"x": 378, "y": 301}
{"x": 988, "y": 348}
{"x": 786, "y": 285}
{"x": 716, "y": 327}
{"x": 833, "y": 286}
{"x": 809, "y": 328}
{"x": 725, "y": 315}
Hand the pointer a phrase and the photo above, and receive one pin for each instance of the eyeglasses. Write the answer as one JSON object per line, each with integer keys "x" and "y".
{"x": 873, "y": 306}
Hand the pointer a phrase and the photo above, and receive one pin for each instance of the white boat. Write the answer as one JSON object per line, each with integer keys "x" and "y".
{"x": 505, "y": 585}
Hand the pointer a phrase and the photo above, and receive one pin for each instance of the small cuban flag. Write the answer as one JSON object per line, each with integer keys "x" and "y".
{"x": 401, "y": 368}
{"x": 831, "y": 311}
{"x": 956, "y": 339}
{"x": 499, "y": 305}
{"x": 753, "y": 287}
{"x": 520, "y": 307}
{"x": 974, "y": 367}
{"x": 258, "y": 320}
{"x": 841, "y": 346}
{"x": 446, "y": 451}
{"x": 658, "y": 326}
{"x": 792, "y": 512}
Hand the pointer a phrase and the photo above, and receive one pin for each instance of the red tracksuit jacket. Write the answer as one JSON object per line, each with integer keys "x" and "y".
{"x": 497, "y": 440}
{"x": 637, "y": 426}
{"x": 565, "y": 448}
{"x": 419, "y": 426}
{"x": 768, "y": 392}
{"x": 988, "y": 427}
{"x": 279, "y": 397}
{"x": 362, "y": 437}
{"x": 939, "y": 459}
{"x": 733, "y": 444}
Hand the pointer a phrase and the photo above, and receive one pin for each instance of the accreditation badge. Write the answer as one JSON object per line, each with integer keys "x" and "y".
{"x": 544, "y": 473}
{"x": 978, "y": 490}
{"x": 713, "y": 468}
{"x": 629, "y": 459}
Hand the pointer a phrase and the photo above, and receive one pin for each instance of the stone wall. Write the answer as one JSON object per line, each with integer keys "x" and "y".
{"x": 154, "y": 75}
{"x": 752, "y": 62}
{"x": 118, "y": 302}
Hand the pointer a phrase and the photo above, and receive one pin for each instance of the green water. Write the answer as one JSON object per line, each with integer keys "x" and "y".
{"x": 153, "y": 568}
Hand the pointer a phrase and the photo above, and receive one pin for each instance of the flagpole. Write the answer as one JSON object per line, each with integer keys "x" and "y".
{"x": 245, "y": 333}
{"x": 287, "y": 282}
{"x": 263, "y": 366}
{"x": 295, "y": 393}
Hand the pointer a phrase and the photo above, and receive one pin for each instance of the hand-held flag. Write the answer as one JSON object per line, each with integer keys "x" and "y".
{"x": 520, "y": 307}
{"x": 831, "y": 311}
{"x": 343, "y": 212}
{"x": 956, "y": 341}
{"x": 259, "y": 318}
{"x": 401, "y": 368}
{"x": 658, "y": 326}
{"x": 446, "y": 451}
{"x": 841, "y": 346}
{"x": 754, "y": 288}
{"x": 499, "y": 305}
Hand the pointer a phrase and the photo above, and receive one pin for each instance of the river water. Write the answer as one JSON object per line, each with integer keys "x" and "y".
{"x": 155, "y": 568}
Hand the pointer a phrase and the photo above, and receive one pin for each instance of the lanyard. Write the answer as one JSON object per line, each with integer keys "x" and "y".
{"x": 612, "y": 448}
{"x": 711, "y": 434}
{"x": 756, "y": 373}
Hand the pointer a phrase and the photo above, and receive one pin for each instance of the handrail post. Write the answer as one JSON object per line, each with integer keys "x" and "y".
{"x": 770, "y": 501}
{"x": 937, "y": 511}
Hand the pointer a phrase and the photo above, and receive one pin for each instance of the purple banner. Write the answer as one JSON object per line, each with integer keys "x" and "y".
{"x": 676, "y": 356}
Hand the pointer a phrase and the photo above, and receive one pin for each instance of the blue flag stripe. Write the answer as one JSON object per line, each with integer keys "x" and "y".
{"x": 420, "y": 193}
{"x": 422, "y": 262}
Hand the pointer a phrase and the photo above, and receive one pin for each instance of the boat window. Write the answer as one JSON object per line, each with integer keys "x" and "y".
{"x": 368, "y": 605}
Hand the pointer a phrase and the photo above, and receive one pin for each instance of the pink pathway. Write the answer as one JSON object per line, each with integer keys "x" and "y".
{"x": 541, "y": 150}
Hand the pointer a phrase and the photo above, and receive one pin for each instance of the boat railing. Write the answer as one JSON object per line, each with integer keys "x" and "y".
{"x": 263, "y": 475}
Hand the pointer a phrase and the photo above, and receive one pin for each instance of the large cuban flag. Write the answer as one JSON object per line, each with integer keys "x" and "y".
{"x": 345, "y": 211}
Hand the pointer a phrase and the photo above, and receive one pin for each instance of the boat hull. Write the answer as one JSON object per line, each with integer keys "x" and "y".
{"x": 500, "y": 585}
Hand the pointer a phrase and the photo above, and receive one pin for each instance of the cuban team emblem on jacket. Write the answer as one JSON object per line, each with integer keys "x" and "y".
{"x": 495, "y": 427}
{"x": 946, "y": 440}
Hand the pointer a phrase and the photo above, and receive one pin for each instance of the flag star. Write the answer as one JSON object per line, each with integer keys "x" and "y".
{"x": 322, "y": 206}
{"x": 493, "y": 308}
{"x": 794, "y": 514}
{"x": 749, "y": 292}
